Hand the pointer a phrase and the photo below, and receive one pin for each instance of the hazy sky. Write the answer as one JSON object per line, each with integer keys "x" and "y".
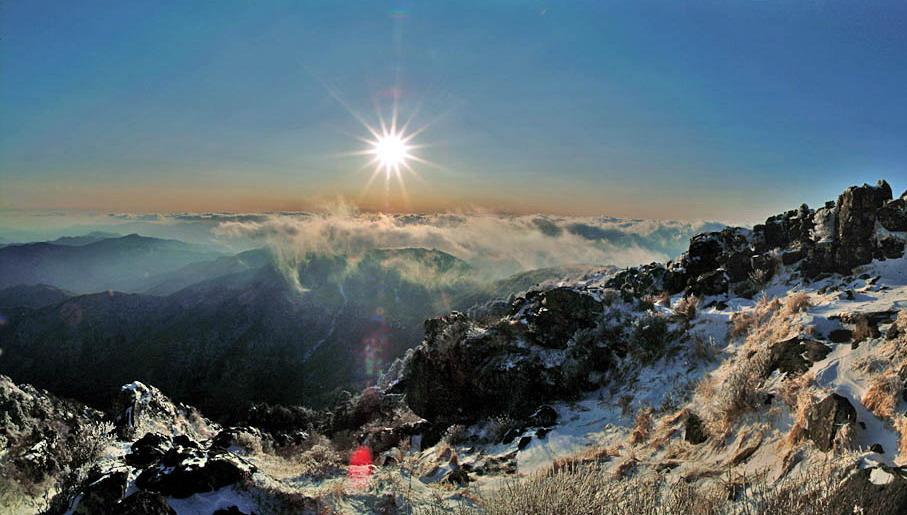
{"x": 725, "y": 109}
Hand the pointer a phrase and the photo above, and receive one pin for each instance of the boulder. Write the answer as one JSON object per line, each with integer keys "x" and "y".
{"x": 795, "y": 356}
{"x": 147, "y": 449}
{"x": 101, "y": 495}
{"x": 144, "y": 503}
{"x": 840, "y": 335}
{"x": 739, "y": 266}
{"x": 545, "y": 416}
{"x": 826, "y": 418}
{"x": 184, "y": 472}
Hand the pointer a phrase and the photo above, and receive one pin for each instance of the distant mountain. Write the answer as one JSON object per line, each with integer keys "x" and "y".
{"x": 31, "y": 296}
{"x": 249, "y": 336}
{"x": 254, "y": 335}
{"x": 123, "y": 264}
{"x": 92, "y": 237}
{"x": 173, "y": 281}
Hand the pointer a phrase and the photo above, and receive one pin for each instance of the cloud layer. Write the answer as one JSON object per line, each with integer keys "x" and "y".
{"x": 495, "y": 245}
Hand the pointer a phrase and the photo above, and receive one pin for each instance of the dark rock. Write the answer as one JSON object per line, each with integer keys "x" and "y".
{"x": 524, "y": 442}
{"x": 195, "y": 474}
{"x": 710, "y": 283}
{"x": 893, "y": 215}
{"x": 545, "y": 416}
{"x": 856, "y": 217}
{"x": 763, "y": 267}
{"x": 694, "y": 431}
{"x": 739, "y": 266}
{"x": 458, "y": 376}
{"x": 704, "y": 254}
{"x": 101, "y": 495}
{"x": 889, "y": 247}
{"x": 565, "y": 311}
{"x": 795, "y": 356}
{"x": 791, "y": 256}
{"x": 826, "y": 418}
{"x": 185, "y": 441}
{"x": 511, "y": 434}
{"x": 457, "y": 476}
{"x": 840, "y": 335}
{"x": 144, "y": 503}
{"x": 879, "y": 490}
{"x": 541, "y": 433}
{"x": 877, "y": 448}
{"x": 232, "y": 510}
{"x": 147, "y": 450}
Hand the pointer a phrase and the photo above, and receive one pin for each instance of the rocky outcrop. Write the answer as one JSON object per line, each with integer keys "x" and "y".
{"x": 464, "y": 370}
{"x": 862, "y": 225}
{"x": 163, "y": 466}
{"x": 140, "y": 409}
{"x": 41, "y": 435}
{"x": 186, "y": 468}
{"x": 826, "y": 418}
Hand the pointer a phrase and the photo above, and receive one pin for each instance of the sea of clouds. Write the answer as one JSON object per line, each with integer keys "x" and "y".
{"x": 495, "y": 245}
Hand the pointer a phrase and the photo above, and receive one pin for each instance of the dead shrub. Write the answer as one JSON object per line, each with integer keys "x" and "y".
{"x": 705, "y": 350}
{"x": 685, "y": 308}
{"x": 797, "y": 302}
{"x": 738, "y": 392}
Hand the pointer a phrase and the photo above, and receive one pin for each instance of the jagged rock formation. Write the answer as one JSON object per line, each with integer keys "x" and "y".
{"x": 833, "y": 239}
{"x": 40, "y": 435}
{"x": 552, "y": 345}
{"x": 140, "y": 409}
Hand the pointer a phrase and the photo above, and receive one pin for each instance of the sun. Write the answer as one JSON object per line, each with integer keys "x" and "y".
{"x": 391, "y": 152}
{"x": 391, "y": 146}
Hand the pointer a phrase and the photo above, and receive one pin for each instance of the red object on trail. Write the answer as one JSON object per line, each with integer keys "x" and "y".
{"x": 360, "y": 468}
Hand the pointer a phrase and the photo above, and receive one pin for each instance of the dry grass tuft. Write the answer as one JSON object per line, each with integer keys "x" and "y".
{"x": 900, "y": 425}
{"x": 797, "y": 302}
{"x": 685, "y": 308}
{"x": 882, "y": 396}
{"x": 643, "y": 426}
{"x": 705, "y": 350}
{"x": 861, "y": 330}
{"x": 739, "y": 391}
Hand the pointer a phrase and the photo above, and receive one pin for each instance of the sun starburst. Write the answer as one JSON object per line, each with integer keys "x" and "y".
{"x": 391, "y": 152}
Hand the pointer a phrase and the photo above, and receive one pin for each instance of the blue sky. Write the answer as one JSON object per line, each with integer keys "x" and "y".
{"x": 727, "y": 110}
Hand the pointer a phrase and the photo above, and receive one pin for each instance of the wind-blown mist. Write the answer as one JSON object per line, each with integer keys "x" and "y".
{"x": 495, "y": 245}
